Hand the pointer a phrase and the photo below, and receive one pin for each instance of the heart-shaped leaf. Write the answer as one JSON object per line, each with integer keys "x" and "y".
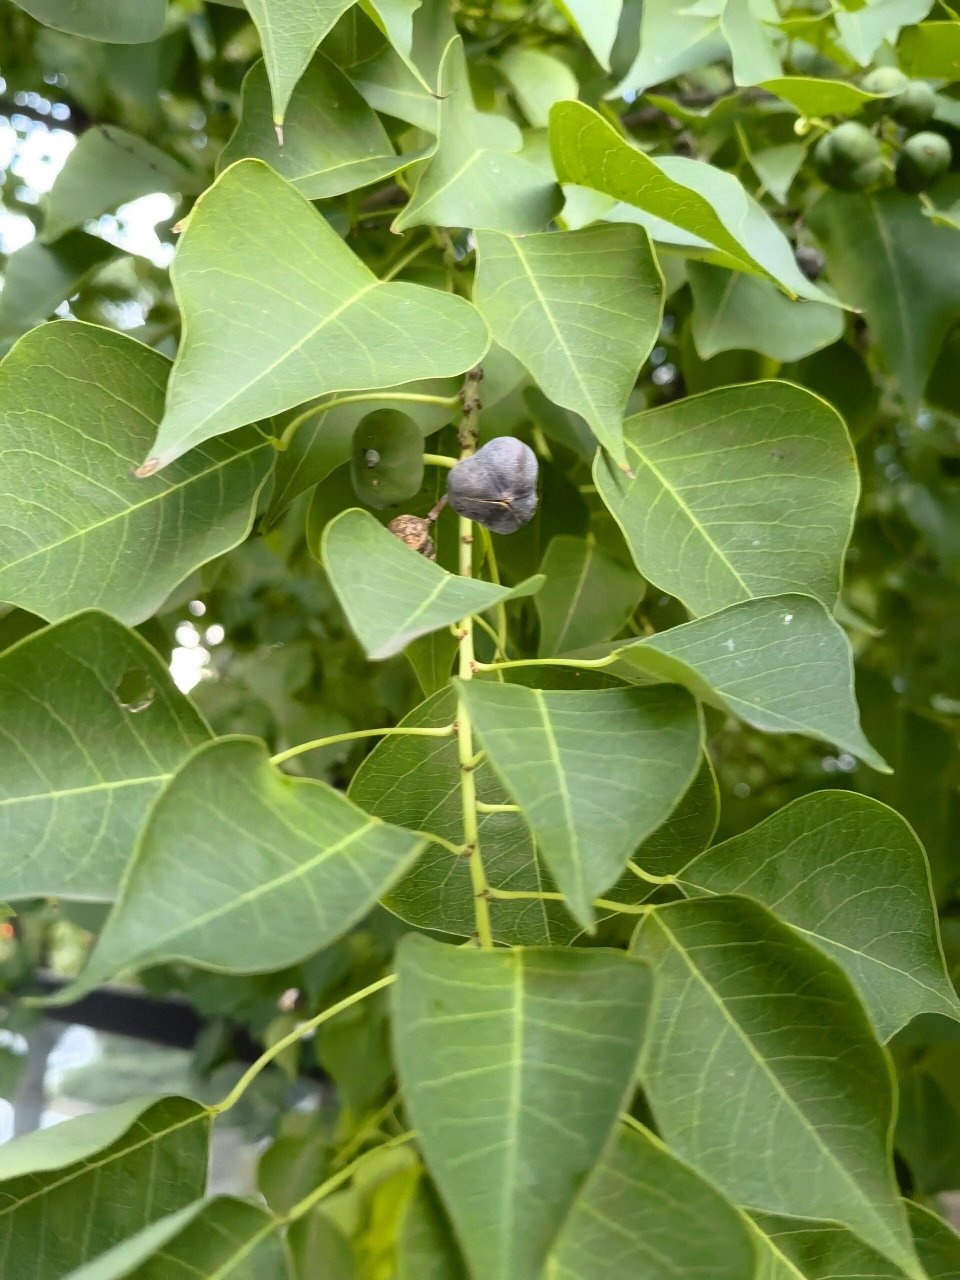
{"x": 94, "y": 727}
{"x": 332, "y": 141}
{"x": 108, "y": 167}
{"x": 594, "y": 771}
{"x": 392, "y": 594}
{"x": 231, "y": 839}
{"x": 544, "y": 1045}
{"x": 740, "y": 492}
{"x": 78, "y": 408}
{"x": 850, "y": 875}
{"x": 580, "y": 310}
{"x": 699, "y": 199}
{"x": 781, "y": 664}
{"x": 733, "y": 311}
{"x": 741, "y": 1066}
{"x": 646, "y": 1215}
{"x": 303, "y": 319}
{"x": 74, "y": 1190}
{"x": 290, "y": 33}
{"x": 474, "y": 178}
{"x": 415, "y": 782}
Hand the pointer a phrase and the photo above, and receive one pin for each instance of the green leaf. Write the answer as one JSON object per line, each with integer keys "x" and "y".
{"x": 937, "y": 1243}
{"x": 739, "y": 492}
{"x": 219, "y": 1239}
{"x": 78, "y": 407}
{"x": 752, "y": 49}
{"x": 646, "y": 1215}
{"x": 930, "y": 49}
{"x": 581, "y": 311}
{"x": 674, "y": 40}
{"x": 269, "y": 289}
{"x": 886, "y": 259}
{"x": 693, "y": 196}
{"x": 733, "y": 312}
{"x": 687, "y": 831}
{"x": 820, "y": 96}
{"x": 741, "y": 1066}
{"x": 781, "y": 664}
{"x": 290, "y": 33}
{"x": 587, "y": 596}
{"x": 431, "y": 657}
{"x": 415, "y": 783}
{"x": 543, "y": 1044}
{"x": 427, "y": 1248}
{"x": 927, "y": 1136}
{"x": 72, "y": 1191}
{"x": 332, "y": 141}
{"x": 598, "y": 22}
{"x": 38, "y": 277}
{"x": 474, "y": 178}
{"x": 80, "y": 764}
{"x": 392, "y": 594}
{"x": 776, "y": 167}
{"x": 851, "y": 877}
{"x": 538, "y": 81}
{"x": 795, "y": 1249}
{"x": 862, "y": 31}
{"x": 233, "y": 841}
{"x": 317, "y": 1244}
{"x": 108, "y": 167}
{"x": 594, "y": 771}
{"x": 101, "y": 19}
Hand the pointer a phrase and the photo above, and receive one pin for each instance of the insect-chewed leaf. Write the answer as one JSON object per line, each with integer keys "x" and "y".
{"x": 514, "y": 1066}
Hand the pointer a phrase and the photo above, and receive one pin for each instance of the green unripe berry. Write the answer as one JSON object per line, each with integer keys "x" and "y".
{"x": 852, "y": 144}
{"x": 885, "y": 80}
{"x": 916, "y": 105}
{"x": 925, "y": 158}
{"x": 849, "y": 158}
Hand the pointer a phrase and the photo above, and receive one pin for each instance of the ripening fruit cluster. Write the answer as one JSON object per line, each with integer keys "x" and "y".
{"x": 853, "y": 157}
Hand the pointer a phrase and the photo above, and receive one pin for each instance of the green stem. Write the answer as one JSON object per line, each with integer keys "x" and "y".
{"x": 602, "y": 904}
{"x": 501, "y": 608}
{"x": 356, "y": 734}
{"x": 338, "y": 1179}
{"x": 484, "y": 625}
{"x": 649, "y": 877}
{"x": 251, "y": 1073}
{"x": 465, "y": 753}
{"x": 438, "y": 460}
{"x": 361, "y": 397}
{"x": 608, "y": 661}
{"x": 483, "y": 807}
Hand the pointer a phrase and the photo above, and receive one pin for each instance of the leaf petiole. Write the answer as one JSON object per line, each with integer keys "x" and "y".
{"x": 446, "y": 732}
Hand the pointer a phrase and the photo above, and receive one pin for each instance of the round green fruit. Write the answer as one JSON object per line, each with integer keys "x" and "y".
{"x": 849, "y": 158}
{"x": 852, "y": 144}
{"x": 916, "y": 105}
{"x": 925, "y": 158}
{"x": 386, "y": 461}
{"x": 885, "y": 80}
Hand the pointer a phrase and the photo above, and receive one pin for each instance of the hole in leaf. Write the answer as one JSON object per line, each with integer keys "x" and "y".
{"x": 134, "y": 691}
